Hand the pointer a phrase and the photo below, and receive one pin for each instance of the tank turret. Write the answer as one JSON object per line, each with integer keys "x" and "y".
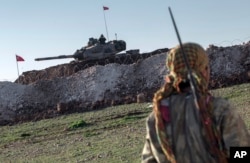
{"x": 95, "y": 50}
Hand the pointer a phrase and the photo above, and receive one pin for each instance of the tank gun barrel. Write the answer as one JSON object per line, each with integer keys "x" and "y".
{"x": 98, "y": 51}
{"x": 57, "y": 57}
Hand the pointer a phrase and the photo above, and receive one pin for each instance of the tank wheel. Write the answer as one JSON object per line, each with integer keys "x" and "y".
{"x": 86, "y": 66}
{"x": 118, "y": 60}
{"x": 107, "y": 61}
{"x": 76, "y": 69}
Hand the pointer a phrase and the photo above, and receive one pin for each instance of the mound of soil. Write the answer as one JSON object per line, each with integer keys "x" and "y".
{"x": 72, "y": 87}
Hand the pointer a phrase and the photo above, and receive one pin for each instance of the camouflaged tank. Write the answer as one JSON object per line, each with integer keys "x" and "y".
{"x": 95, "y": 50}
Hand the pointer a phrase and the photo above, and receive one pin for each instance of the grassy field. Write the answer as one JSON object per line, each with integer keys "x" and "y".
{"x": 114, "y": 134}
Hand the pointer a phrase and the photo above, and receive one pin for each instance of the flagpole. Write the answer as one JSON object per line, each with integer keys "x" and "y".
{"x": 106, "y": 24}
{"x": 17, "y": 71}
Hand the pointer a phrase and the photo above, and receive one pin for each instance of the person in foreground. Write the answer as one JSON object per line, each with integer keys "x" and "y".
{"x": 177, "y": 130}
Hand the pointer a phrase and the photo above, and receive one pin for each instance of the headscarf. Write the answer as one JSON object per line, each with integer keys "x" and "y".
{"x": 197, "y": 60}
{"x": 178, "y": 73}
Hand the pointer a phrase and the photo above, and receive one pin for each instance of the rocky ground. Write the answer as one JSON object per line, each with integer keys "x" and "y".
{"x": 111, "y": 84}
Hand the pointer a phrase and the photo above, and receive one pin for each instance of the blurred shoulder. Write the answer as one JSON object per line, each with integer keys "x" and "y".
{"x": 222, "y": 106}
{"x": 219, "y": 102}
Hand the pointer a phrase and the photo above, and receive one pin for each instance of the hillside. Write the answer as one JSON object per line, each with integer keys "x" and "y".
{"x": 114, "y": 134}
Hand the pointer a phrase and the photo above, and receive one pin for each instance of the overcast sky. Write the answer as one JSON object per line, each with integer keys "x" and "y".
{"x": 41, "y": 28}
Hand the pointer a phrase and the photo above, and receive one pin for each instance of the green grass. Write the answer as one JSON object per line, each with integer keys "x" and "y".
{"x": 114, "y": 134}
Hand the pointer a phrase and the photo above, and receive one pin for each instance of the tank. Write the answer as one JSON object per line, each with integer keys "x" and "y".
{"x": 95, "y": 50}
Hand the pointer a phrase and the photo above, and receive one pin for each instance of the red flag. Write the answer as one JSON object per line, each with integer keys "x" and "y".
{"x": 105, "y": 8}
{"x": 19, "y": 58}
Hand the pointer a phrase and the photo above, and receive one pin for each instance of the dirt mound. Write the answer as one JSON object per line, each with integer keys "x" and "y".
{"x": 89, "y": 89}
{"x": 66, "y": 89}
{"x": 229, "y": 65}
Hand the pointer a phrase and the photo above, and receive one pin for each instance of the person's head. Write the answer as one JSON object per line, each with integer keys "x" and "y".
{"x": 198, "y": 62}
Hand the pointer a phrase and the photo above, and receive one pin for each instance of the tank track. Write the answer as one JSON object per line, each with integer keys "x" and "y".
{"x": 68, "y": 69}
